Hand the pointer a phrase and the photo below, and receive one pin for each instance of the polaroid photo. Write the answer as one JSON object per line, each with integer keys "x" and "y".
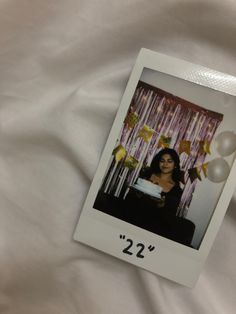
{"x": 167, "y": 173}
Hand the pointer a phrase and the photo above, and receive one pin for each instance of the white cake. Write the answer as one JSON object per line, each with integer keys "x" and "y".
{"x": 149, "y": 187}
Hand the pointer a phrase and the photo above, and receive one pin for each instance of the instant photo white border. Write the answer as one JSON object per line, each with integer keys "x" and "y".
{"x": 170, "y": 259}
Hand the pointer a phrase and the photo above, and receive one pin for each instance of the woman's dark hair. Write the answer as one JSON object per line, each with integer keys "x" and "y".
{"x": 155, "y": 168}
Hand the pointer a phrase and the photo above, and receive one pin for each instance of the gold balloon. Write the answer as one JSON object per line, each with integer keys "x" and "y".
{"x": 184, "y": 147}
{"x": 119, "y": 152}
{"x": 205, "y": 168}
{"x": 146, "y": 133}
{"x": 204, "y": 147}
{"x": 164, "y": 142}
{"x": 131, "y": 162}
{"x": 131, "y": 120}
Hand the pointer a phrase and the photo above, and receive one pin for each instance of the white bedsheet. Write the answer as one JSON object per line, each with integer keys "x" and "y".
{"x": 64, "y": 66}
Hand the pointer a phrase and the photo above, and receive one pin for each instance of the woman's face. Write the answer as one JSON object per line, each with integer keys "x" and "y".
{"x": 167, "y": 164}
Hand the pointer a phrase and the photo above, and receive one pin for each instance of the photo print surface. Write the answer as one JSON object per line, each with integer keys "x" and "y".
{"x": 162, "y": 174}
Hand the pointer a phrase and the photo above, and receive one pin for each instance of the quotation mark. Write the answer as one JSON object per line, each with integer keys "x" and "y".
{"x": 151, "y": 248}
{"x": 138, "y": 245}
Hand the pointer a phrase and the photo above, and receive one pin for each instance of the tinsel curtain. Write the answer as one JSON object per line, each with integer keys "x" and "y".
{"x": 159, "y": 114}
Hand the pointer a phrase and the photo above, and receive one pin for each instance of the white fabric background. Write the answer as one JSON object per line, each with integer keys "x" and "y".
{"x": 63, "y": 69}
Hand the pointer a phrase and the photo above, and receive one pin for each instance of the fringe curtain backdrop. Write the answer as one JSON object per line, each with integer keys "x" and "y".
{"x": 165, "y": 115}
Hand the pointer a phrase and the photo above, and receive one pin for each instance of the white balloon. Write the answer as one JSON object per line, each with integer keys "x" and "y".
{"x": 218, "y": 170}
{"x": 226, "y": 143}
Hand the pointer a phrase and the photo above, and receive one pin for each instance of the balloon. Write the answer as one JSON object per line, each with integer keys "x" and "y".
{"x": 218, "y": 170}
{"x": 226, "y": 143}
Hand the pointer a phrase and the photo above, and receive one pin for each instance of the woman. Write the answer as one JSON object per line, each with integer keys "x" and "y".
{"x": 152, "y": 213}
{"x": 165, "y": 171}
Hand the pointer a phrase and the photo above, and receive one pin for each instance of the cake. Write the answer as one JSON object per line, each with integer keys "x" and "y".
{"x": 149, "y": 187}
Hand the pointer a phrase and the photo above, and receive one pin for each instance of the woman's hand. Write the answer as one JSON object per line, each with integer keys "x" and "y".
{"x": 160, "y": 202}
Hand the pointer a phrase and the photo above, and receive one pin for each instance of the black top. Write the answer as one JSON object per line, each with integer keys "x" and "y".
{"x": 151, "y": 213}
{"x": 172, "y": 199}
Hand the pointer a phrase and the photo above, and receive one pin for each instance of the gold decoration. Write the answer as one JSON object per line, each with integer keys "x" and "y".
{"x": 182, "y": 176}
{"x": 194, "y": 173}
{"x": 146, "y": 133}
{"x": 164, "y": 142}
{"x": 204, "y": 168}
{"x": 119, "y": 152}
{"x": 131, "y": 162}
{"x": 184, "y": 147}
{"x": 131, "y": 120}
{"x": 204, "y": 147}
